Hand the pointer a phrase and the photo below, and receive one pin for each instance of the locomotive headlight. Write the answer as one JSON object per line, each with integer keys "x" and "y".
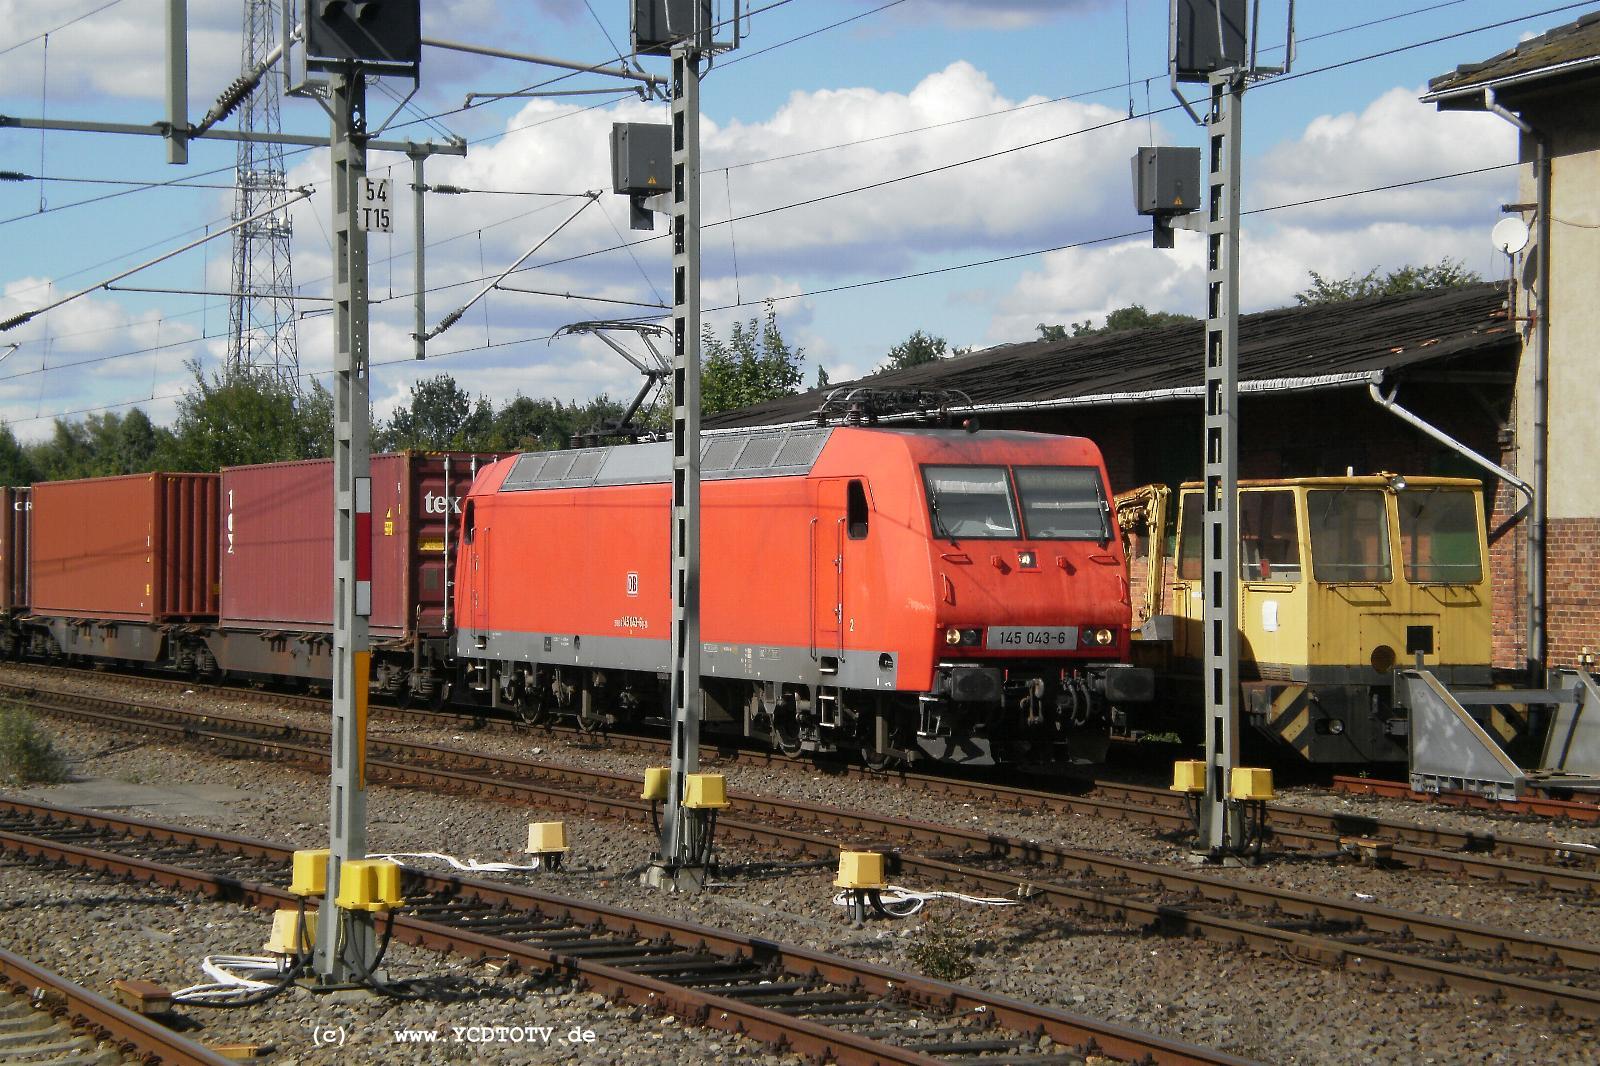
{"x": 1104, "y": 637}
{"x": 952, "y": 636}
{"x": 969, "y": 637}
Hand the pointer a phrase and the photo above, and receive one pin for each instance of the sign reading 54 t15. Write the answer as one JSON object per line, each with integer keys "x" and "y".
{"x": 375, "y": 212}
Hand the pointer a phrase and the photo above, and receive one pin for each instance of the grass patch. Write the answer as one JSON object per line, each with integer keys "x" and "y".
{"x": 27, "y": 754}
{"x": 943, "y": 954}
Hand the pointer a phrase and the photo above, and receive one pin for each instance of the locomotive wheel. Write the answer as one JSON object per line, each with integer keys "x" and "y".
{"x": 876, "y": 760}
{"x": 591, "y": 723}
{"x": 785, "y": 730}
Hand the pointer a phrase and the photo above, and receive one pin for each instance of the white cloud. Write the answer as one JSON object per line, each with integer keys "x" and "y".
{"x": 997, "y": 14}
{"x": 1396, "y": 138}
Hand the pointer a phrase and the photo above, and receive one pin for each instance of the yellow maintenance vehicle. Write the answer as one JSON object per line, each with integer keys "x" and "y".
{"x": 1342, "y": 580}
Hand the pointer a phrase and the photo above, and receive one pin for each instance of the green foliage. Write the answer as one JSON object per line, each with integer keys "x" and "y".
{"x": 440, "y": 417}
{"x": 942, "y": 953}
{"x": 27, "y": 754}
{"x": 235, "y": 417}
{"x": 915, "y": 350}
{"x": 822, "y": 378}
{"x": 1134, "y": 316}
{"x": 525, "y": 424}
{"x": 754, "y": 365}
{"x": 1445, "y": 273}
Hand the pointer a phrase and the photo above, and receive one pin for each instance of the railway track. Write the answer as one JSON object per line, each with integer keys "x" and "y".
{"x": 45, "y": 1018}
{"x": 812, "y": 1003}
{"x": 1520, "y": 967}
{"x": 1577, "y": 810}
{"x": 1533, "y": 863}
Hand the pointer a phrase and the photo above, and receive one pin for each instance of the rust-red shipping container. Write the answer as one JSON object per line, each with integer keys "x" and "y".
{"x": 17, "y": 503}
{"x": 277, "y": 543}
{"x": 138, "y": 548}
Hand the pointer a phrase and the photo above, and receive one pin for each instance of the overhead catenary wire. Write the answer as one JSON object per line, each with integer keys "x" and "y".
{"x": 931, "y": 272}
{"x": 1387, "y": 52}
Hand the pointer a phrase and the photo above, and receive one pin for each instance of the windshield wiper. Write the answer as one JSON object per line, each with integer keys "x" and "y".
{"x": 939, "y": 528}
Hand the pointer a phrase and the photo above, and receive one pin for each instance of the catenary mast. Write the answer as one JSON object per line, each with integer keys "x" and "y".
{"x": 261, "y": 324}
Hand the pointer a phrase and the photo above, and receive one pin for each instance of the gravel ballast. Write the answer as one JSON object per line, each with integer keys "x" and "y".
{"x": 1263, "y": 1007}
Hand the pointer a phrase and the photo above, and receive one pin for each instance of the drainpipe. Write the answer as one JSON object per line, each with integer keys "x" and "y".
{"x": 1541, "y": 393}
{"x": 1387, "y": 402}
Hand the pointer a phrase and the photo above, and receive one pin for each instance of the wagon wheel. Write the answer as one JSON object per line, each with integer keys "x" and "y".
{"x": 440, "y": 697}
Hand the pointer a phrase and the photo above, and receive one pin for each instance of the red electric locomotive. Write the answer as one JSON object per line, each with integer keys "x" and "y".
{"x": 908, "y": 593}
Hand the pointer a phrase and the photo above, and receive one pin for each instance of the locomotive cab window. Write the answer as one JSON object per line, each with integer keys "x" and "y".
{"x": 970, "y": 502}
{"x": 468, "y": 521}
{"x": 855, "y": 501}
{"x": 1269, "y": 544}
{"x": 1439, "y": 537}
{"x": 1063, "y": 503}
{"x": 1349, "y": 536}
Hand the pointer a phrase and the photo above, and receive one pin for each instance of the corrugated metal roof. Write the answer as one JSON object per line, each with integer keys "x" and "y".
{"x": 1559, "y": 51}
{"x": 1323, "y": 346}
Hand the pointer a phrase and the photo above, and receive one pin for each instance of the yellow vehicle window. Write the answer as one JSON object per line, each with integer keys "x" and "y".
{"x": 1269, "y": 546}
{"x": 1349, "y": 535}
{"x": 1439, "y": 537}
{"x": 1192, "y": 544}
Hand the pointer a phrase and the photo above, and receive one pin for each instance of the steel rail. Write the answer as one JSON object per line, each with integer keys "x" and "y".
{"x": 1567, "y": 868}
{"x": 1542, "y": 806}
{"x": 1329, "y": 932}
{"x": 1534, "y": 863}
{"x": 623, "y": 960}
{"x": 132, "y": 1034}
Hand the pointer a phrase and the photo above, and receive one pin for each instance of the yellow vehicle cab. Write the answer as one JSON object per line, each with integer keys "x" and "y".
{"x": 1341, "y": 579}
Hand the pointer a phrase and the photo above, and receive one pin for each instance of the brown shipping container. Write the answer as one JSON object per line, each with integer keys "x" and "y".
{"x": 277, "y": 543}
{"x": 140, "y": 548}
{"x": 14, "y": 524}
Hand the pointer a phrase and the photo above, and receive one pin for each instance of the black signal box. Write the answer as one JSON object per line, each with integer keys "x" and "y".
{"x": 379, "y": 33}
{"x": 1196, "y": 47}
{"x": 1166, "y": 181}
{"x": 641, "y": 157}
{"x": 659, "y": 23}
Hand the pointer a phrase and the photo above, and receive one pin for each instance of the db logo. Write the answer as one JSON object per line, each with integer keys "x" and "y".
{"x": 633, "y": 582}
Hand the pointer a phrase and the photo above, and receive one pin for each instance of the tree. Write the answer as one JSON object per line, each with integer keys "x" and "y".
{"x": 525, "y": 424}
{"x": 1446, "y": 273}
{"x": 754, "y": 365}
{"x": 1134, "y": 316}
{"x": 822, "y": 378}
{"x": 915, "y": 350}
{"x": 236, "y": 417}
{"x": 440, "y": 417}
{"x": 15, "y": 466}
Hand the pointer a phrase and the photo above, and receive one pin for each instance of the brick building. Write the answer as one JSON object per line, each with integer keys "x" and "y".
{"x": 1546, "y": 87}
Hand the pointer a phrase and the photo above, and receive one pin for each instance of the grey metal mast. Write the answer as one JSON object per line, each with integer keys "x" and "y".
{"x": 261, "y": 319}
{"x": 687, "y": 697}
{"x": 1223, "y": 824}
{"x": 341, "y": 953}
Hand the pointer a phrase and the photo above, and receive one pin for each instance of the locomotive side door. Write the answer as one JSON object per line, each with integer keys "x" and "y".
{"x": 476, "y": 558}
{"x": 827, "y": 573}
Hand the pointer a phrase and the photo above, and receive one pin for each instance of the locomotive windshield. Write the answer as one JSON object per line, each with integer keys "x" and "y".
{"x": 1439, "y": 537}
{"x": 970, "y": 501}
{"x": 1063, "y": 503}
{"x": 1349, "y": 535}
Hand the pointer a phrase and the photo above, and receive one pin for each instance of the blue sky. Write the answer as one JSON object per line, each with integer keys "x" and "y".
{"x": 868, "y": 101}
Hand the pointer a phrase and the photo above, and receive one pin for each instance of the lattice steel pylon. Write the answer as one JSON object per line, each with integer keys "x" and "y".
{"x": 261, "y": 321}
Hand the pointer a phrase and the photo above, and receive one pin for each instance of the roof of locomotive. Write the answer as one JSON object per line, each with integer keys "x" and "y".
{"x": 724, "y": 456}
{"x": 751, "y": 453}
